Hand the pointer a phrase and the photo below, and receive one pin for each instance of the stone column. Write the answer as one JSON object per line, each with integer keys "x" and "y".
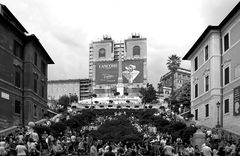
{"x": 120, "y": 86}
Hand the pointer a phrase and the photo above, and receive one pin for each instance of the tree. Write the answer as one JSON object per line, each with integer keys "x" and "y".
{"x": 160, "y": 87}
{"x": 148, "y": 94}
{"x": 64, "y": 101}
{"x": 173, "y": 64}
{"x": 111, "y": 130}
{"x": 73, "y": 98}
{"x": 182, "y": 96}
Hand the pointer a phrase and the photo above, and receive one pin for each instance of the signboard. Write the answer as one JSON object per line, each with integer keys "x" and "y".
{"x": 4, "y": 95}
{"x": 236, "y": 101}
{"x": 107, "y": 72}
{"x": 132, "y": 71}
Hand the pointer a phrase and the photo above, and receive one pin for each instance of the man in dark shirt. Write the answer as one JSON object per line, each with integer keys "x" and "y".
{"x": 109, "y": 153}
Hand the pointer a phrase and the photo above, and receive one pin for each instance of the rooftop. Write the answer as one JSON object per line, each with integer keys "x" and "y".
{"x": 210, "y": 28}
{"x": 67, "y": 80}
{"x": 6, "y": 13}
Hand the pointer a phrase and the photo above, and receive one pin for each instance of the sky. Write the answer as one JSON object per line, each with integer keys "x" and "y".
{"x": 67, "y": 27}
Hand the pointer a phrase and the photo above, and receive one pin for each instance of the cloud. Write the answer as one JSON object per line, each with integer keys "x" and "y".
{"x": 215, "y": 11}
{"x": 66, "y": 27}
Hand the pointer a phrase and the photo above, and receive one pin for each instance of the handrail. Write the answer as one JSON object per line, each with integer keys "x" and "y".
{"x": 9, "y": 130}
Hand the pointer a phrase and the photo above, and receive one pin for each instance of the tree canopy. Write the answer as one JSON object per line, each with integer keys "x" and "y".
{"x": 149, "y": 94}
{"x": 117, "y": 130}
{"x": 64, "y": 101}
{"x": 182, "y": 96}
{"x": 120, "y": 128}
{"x": 173, "y": 63}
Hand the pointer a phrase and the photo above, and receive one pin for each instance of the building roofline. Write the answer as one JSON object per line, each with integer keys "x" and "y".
{"x": 135, "y": 39}
{"x": 187, "y": 71}
{"x": 36, "y": 40}
{"x": 68, "y": 80}
{"x": 4, "y": 7}
{"x": 199, "y": 40}
{"x": 184, "y": 69}
{"x": 230, "y": 15}
{"x": 209, "y": 28}
{"x": 102, "y": 41}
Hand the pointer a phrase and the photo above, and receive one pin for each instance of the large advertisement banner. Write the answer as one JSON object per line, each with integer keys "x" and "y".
{"x": 132, "y": 71}
{"x": 107, "y": 72}
{"x": 236, "y": 101}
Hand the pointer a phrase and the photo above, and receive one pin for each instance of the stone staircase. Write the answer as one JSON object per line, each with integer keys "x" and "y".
{"x": 13, "y": 129}
{"x": 233, "y": 129}
{"x": 7, "y": 131}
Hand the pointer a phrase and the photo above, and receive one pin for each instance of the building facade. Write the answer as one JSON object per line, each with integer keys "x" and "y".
{"x": 79, "y": 87}
{"x": 180, "y": 77}
{"x": 215, "y": 74}
{"x": 23, "y": 73}
{"x": 118, "y": 63}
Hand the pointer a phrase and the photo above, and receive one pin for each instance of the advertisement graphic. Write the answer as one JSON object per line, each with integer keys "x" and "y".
{"x": 236, "y": 101}
{"x": 132, "y": 71}
{"x": 107, "y": 72}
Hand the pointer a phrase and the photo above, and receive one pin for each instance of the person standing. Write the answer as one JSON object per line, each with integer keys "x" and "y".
{"x": 109, "y": 152}
{"x": 168, "y": 150}
{"x": 21, "y": 150}
{"x": 93, "y": 149}
{"x": 206, "y": 150}
{"x": 81, "y": 148}
{"x": 233, "y": 147}
{"x": 197, "y": 151}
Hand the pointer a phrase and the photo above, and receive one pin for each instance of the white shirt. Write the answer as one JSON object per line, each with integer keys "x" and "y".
{"x": 21, "y": 150}
{"x": 93, "y": 151}
{"x": 206, "y": 151}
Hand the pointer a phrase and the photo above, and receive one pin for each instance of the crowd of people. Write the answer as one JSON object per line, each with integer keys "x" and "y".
{"x": 27, "y": 142}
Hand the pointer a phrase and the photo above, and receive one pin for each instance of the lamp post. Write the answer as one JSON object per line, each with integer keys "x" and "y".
{"x": 91, "y": 100}
{"x": 92, "y": 95}
{"x": 218, "y": 106}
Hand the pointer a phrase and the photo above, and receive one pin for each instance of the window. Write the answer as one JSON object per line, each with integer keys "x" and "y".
{"x": 18, "y": 78}
{"x": 206, "y": 53}
{"x": 196, "y": 114}
{"x": 206, "y": 83}
{"x": 17, "y": 107}
{"x": 136, "y": 51}
{"x": 196, "y": 90}
{"x": 226, "y": 42}
{"x": 42, "y": 92}
{"x": 226, "y": 75}
{"x": 195, "y": 63}
{"x": 102, "y": 53}
{"x": 35, "y": 85}
{"x": 237, "y": 71}
{"x": 35, "y": 58}
{"x": 43, "y": 68}
{"x": 226, "y": 106}
{"x": 35, "y": 110}
{"x": 18, "y": 50}
{"x": 42, "y": 113}
{"x": 207, "y": 110}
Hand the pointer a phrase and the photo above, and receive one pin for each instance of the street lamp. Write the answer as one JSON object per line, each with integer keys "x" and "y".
{"x": 218, "y": 106}
{"x": 92, "y": 96}
{"x": 91, "y": 100}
